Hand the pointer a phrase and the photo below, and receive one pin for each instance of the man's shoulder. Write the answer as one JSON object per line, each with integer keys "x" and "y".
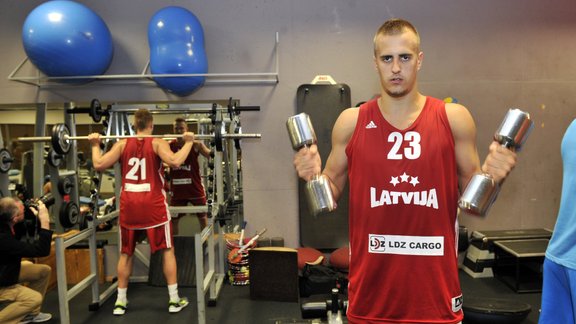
{"x": 456, "y": 110}
{"x": 351, "y": 113}
{"x": 7, "y": 242}
{"x": 434, "y": 100}
{"x": 5, "y": 231}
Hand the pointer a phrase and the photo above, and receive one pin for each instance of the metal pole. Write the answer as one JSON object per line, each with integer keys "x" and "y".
{"x": 38, "y": 156}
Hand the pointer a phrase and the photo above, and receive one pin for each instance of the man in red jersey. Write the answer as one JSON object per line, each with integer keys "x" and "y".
{"x": 406, "y": 156}
{"x": 185, "y": 181}
{"x": 143, "y": 206}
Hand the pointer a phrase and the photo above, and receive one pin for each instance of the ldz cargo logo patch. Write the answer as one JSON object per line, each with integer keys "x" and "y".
{"x": 406, "y": 245}
{"x": 377, "y": 243}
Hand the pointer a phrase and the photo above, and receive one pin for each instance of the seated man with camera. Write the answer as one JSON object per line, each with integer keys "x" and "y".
{"x": 18, "y": 303}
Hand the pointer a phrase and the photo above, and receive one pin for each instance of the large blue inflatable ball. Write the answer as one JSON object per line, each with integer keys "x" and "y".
{"x": 65, "y": 38}
{"x": 176, "y": 41}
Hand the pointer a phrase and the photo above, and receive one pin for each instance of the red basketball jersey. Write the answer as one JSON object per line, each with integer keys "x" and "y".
{"x": 403, "y": 206}
{"x": 185, "y": 180}
{"x": 142, "y": 199}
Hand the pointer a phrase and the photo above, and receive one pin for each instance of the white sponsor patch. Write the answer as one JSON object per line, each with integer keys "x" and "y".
{"x": 181, "y": 181}
{"x": 185, "y": 167}
{"x": 457, "y": 304}
{"x": 406, "y": 245}
{"x": 137, "y": 187}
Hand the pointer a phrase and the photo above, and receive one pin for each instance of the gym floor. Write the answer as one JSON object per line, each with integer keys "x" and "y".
{"x": 149, "y": 305}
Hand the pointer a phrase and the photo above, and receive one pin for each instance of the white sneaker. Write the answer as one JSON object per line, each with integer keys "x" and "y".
{"x": 175, "y": 307}
{"x": 38, "y": 318}
{"x": 119, "y": 309}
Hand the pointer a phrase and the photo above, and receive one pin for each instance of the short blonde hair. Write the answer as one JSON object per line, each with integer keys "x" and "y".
{"x": 142, "y": 118}
{"x": 396, "y": 26}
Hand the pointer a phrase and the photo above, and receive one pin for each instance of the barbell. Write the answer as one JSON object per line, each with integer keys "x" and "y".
{"x": 95, "y": 110}
{"x": 61, "y": 138}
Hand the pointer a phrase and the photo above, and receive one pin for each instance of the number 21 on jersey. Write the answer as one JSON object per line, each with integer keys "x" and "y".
{"x": 138, "y": 170}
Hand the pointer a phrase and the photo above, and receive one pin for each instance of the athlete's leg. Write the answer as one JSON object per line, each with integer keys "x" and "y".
{"x": 202, "y": 217}
{"x": 176, "y": 217}
{"x": 128, "y": 240}
{"x": 169, "y": 266}
{"x": 161, "y": 239}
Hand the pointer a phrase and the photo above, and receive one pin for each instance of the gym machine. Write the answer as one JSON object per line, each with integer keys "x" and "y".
{"x": 223, "y": 183}
{"x": 225, "y": 186}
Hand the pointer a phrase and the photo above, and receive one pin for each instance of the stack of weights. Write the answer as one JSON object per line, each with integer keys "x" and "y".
{"x": 238, "y": 267}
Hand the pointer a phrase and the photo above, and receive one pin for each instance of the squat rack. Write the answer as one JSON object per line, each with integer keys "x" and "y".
{"x": 211, "y": 281}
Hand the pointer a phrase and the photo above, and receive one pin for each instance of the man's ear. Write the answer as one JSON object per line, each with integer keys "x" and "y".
{"x": 420, "y": 59}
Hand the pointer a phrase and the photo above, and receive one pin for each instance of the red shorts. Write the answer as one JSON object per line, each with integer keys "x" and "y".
{"x": 194, "y": 201}
{"x": 159, "y": 238}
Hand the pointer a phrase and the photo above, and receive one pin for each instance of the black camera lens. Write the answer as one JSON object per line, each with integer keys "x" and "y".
{"x": 47, "y": 200}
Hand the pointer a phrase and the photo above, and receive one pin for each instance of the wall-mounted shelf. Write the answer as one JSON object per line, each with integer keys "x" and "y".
{"x": 40, "y": 80}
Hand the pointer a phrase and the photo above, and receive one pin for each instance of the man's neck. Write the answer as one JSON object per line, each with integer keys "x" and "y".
{"x": 401, "y": 112}
{"x": 144, "y": 132}
{"x": 403, "y": 105}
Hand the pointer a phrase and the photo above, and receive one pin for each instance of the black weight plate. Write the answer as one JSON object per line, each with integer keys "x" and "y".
{"x": 60, "y": 143}
{"x": 237, "y": 130}
{"x": 65, "y": 186}
{"x": 69, "y": 213}
{"x": 6, "y": 160}
{"x": 54, "y": 159}
{"x": 218, "y": 140}
{"x": 96, "y": 110}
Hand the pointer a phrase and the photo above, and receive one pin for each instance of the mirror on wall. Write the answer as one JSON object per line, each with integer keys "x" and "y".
{"x": 19, "y": 120}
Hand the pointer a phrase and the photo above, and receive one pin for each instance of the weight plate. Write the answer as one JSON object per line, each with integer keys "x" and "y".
{"x": 60, "y": 143}
{"x": 213, "y": 114}
{"x": 6, "y": 160}
{"x": 237, "y": 130}
{"x": 54, "y": 159}
{"x": 69, "y": 213}
{"x": 231, "y": 108}
{"x": 218, "y": 140}
{"x": 65, "y": 186}
{"x": 96, "y": 110}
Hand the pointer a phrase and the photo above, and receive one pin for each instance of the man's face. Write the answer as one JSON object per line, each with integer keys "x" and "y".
{"x": 397, "y": 61}
{"x": 180, "y": 128}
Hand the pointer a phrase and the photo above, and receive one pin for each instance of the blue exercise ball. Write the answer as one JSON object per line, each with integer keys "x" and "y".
{"x": 176, "y": 41}
{"x": 65, "y": 38}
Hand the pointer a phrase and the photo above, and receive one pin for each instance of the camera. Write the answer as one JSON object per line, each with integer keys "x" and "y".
{"x": 47, "y": 199}
{"x": 31, "y": 223}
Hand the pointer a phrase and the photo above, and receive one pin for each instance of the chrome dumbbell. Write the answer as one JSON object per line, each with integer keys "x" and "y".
{"x": 318, "y": 191}
{"x": 481, "y": 191}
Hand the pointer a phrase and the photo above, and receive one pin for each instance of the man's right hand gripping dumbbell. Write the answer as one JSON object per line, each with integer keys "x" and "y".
{"x": 308, "y": 164}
